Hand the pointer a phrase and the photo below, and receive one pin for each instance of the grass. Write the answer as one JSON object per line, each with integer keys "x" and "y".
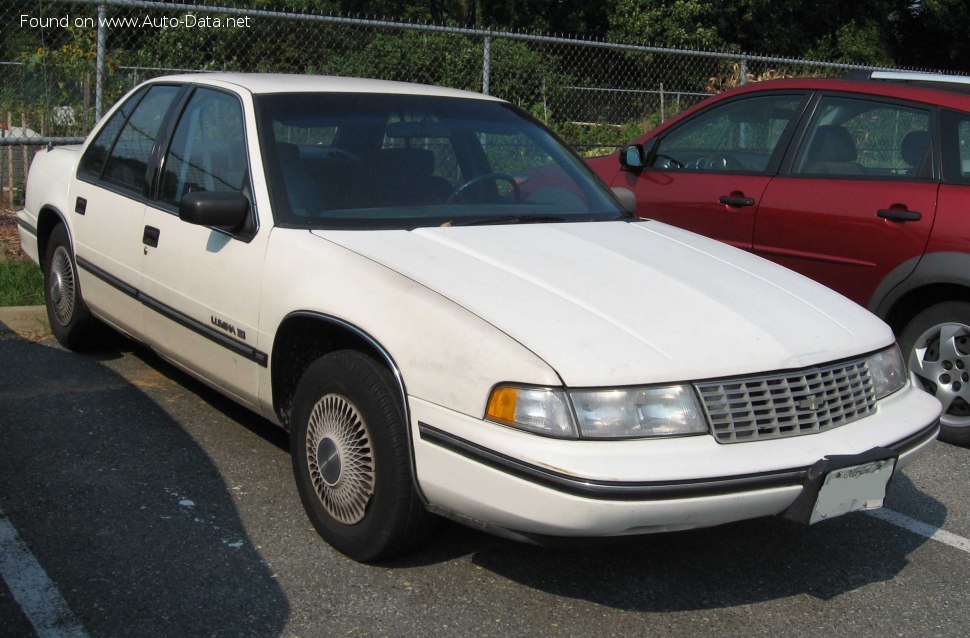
{"x": 21, "y": 283}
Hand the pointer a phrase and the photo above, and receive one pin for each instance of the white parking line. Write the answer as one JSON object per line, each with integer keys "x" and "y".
{"x": 32, "y": 589}
{"x": 919, "y": 527}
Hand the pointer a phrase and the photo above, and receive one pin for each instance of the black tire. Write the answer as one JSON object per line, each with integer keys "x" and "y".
{"x": 354, "y": 477}
{"x": 70, "y": 320}
{"x": 951, "y": 384}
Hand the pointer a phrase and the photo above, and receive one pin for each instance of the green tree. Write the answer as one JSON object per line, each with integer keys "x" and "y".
{"x": 691, "y": 24}
{"x": 933, "y": 34}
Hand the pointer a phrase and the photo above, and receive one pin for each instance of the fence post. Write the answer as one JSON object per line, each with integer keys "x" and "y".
{"x": 3, "y": 195}
{"x": 25, "y": 154}
{"x": 99, "y": 78}
{"x": 10, "y": 163}
{"x": 663, "y": 106}
{"x": 486, "y": 64}
{"x": 743, "y": 71}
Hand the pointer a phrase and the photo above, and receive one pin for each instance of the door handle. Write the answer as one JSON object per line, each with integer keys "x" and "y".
{"x": 80, "y": 205}
{"x": 900, "y": 216}
{"x": 736, "y": 202}
{"x": 150, "y": 236}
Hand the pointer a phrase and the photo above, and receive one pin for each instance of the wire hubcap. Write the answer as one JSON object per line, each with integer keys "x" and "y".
{"x": 62, "y": 286}
{"x": 941, "y": 361}
{"x": 340, "y": 458}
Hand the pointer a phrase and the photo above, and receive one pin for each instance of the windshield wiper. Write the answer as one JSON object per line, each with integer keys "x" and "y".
{"x": 507, "y": 219}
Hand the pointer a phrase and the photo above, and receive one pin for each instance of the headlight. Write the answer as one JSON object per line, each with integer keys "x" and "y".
{"x": 638, "y": 412}
{"x": 539, "y": 410}
{"x": 627, "y": 413}
{"x": 888, "y": 371}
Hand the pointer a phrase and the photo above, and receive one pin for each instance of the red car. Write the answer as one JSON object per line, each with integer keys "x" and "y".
{"x": 861, "y": 184}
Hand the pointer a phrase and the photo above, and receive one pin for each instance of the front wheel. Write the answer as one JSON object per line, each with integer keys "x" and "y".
{"x": 936, "y": 344}
{"x": 351, "y": 458}
{"x": 70, "y": 321}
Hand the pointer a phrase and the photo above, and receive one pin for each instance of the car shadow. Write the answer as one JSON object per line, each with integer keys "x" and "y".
{"x": 113, "y": 345}
{"x": 737, "y": 564}
{"x": 741, "y": 563}
{"x": 126, "y": 513}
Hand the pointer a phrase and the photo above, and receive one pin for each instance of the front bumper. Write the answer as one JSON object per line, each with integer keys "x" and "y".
{"x": 515, "y": 481}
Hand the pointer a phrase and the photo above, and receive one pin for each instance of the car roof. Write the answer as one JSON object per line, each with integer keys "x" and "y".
{"x": 292, "y": 83}
{"x": 899, "y": 90}
{"x": 938, "y": 95}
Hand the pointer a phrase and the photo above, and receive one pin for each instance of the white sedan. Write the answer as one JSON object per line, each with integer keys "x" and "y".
{"x": 451, "y": 316}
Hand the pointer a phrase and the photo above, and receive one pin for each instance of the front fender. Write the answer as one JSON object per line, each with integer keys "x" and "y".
{"x": 446, "y": 354}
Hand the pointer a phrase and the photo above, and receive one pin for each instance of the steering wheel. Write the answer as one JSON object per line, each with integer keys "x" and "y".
{"x": 670, "y": 162}
{"x": 516, "y": 191}
{"x": 341, "y": 154}
{"x": 720, "y": 162}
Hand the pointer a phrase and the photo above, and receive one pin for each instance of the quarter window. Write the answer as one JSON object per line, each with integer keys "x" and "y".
{"x": 738, "y": 137}
{"x": 853, "y": 137}
{"x": 208, "y": 150}
{"x": 955, "y": 134}
{"x": 128, "y": 162}
{"x": 963, "y": 143}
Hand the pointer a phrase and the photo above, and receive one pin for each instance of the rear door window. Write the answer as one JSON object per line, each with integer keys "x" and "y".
{"x": 128, "y": 162}
{"x": 97, "y": 151}
{"x": 851, "y": 137}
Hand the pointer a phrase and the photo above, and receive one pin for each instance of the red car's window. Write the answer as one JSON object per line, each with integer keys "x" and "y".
{"x": 963, "y": 144}
{"x": 857, "y": 137}
{"x": 740, "y": 136}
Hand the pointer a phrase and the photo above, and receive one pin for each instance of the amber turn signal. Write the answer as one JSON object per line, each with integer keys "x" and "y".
{"x": 501, "y": 405}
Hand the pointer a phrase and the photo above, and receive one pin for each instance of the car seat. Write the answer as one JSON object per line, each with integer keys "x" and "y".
{"x": 407, "y": 178}
{"x": 832, "y": 152}
{"x": 317, "y": 184}
{"x": 913, "y": 149}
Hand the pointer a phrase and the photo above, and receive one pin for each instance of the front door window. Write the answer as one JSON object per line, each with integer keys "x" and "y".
{"x": 738, "y": 137}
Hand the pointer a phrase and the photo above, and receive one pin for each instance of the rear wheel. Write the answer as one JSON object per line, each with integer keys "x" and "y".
{"x": 936, "y": 343}
{"x": 70, "y": 321}
{"x": 351, "y": 458}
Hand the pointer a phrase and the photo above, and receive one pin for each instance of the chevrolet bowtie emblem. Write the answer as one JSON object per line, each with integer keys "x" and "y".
{"x": 810, "y": 403}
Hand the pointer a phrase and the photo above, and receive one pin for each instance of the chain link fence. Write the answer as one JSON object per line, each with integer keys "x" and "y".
{"x": 63, "y": 63}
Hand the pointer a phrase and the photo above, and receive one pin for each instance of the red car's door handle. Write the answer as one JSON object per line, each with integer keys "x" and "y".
{"x": 736, "y": 202}
{"x": 900, "y": 216}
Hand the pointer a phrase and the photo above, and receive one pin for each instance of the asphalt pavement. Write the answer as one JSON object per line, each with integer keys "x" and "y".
{"x": 153, "y": 506}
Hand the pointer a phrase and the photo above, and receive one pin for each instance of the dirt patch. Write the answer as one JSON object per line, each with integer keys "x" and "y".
{"x": 9, "y": 236}
{"x": 24, "y": 322}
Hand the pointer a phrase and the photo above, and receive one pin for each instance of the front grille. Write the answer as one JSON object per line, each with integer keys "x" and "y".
{"x": 801, "y": 402}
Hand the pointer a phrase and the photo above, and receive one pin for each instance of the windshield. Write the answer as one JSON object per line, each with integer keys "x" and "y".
{"x": 365, "y": 160}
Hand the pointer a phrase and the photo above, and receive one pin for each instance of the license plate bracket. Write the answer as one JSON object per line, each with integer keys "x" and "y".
{"x": 853, "y": 488}
{"x": 837, "y": 485}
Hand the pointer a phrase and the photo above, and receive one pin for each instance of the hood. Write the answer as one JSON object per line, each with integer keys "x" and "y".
{"x": 618, "y": 303}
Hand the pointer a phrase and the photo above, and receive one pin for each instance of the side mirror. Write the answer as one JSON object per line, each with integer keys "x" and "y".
{"x": 634, "y": 157}
{"x": 631, "y": 158}
{"x": 226, "y": 209}
{"x": 627, "y": 198}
